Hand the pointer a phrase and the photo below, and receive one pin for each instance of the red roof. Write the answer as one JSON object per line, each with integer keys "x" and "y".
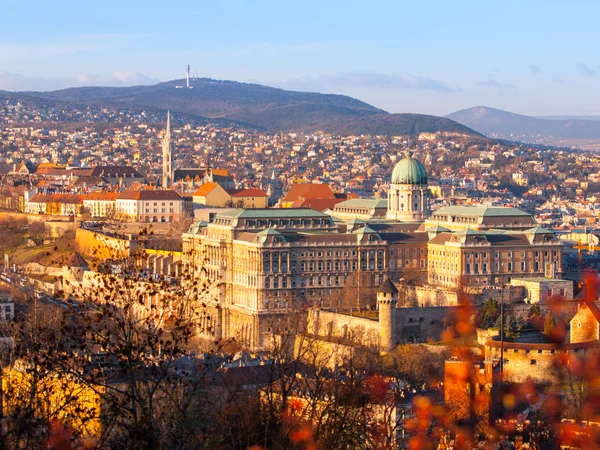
{"x": 247, "y": 192}
{"x": 102, "y": 195}
{"x": 318, "y": 204}
{"x": 205, "y": 189}
{"x": 159, "y": 195}
{"x": 309, "y": 191}
{"x": 57, "y": 198}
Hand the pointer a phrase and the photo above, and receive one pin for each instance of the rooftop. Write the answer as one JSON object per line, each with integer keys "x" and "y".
{"x": 271, "y": 213}
{"x": 367, "y": 203}
{"x": 481, "y": 211}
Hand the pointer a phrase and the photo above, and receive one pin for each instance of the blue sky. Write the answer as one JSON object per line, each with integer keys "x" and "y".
{"x": 532, "y": 57}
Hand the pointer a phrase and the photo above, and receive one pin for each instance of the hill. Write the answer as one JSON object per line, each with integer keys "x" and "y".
{"x": 262, "y": 107}
{"x": 502, "y": 124}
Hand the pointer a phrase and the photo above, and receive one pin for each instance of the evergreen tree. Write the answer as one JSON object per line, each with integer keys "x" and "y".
{"x": 489, "y": 313}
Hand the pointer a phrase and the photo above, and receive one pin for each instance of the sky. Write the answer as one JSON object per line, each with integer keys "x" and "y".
{"x": 433, "y": 57}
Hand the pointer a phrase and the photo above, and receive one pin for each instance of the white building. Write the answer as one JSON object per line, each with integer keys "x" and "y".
{"x": 100, "y": 204}
{"x": 149, "y": 206}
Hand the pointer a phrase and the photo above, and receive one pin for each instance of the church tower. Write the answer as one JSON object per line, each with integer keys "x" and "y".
{"x": 408, "y": 197}
{"x": 167, "y": 155}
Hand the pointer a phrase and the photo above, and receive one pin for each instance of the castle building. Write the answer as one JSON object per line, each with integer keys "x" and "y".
{"x": 167, "y": 157}
{"x": 268, "y": 263}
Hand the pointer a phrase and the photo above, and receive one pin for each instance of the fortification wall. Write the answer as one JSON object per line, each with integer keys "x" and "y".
{"x": 54, "y": 226}
{"x": 529, "y": 361}
{"x": 432, "y": 296}
{"x": 93, "y": 244}
{"x": 332, "y": 325}
{"x": 422, "y": 324}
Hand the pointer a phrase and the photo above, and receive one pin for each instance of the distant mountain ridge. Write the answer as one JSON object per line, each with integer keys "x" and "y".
{"x": 260, "y": 106}
{"x": 502, "y": 124}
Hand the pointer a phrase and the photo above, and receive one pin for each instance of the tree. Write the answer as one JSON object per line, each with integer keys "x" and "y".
{"x": 549, "y": 324}
{"x": 513, "y": 324}
{"x": 489, "y": 313}
{"x": 534, "y": 316}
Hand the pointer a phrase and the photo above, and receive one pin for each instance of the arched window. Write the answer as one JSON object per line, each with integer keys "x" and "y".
{"x": 468, "y": 268}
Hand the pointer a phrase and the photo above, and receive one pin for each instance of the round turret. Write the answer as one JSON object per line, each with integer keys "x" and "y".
{"x": 387, "y": 298}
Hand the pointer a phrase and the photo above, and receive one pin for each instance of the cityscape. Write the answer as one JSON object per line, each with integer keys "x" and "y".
{"x": 196, "y": 259}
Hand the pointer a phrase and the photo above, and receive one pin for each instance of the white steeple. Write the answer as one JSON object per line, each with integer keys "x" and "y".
{"x": 167, "y": 154}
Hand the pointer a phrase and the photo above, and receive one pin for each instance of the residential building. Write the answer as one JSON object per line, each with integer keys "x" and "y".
{"x": 149, "y": 206}
{"x": 100, "y": 204}
{"x": 55, "y": 204}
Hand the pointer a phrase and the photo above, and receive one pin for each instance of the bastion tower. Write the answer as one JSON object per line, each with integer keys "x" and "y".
{"x": 408, "y": 197}
{"x": 387, "y": 299}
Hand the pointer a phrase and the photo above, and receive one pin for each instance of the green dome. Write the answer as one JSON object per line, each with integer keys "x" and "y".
{"x": 409, "y": 171}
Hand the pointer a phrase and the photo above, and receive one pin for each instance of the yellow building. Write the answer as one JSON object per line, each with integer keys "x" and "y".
{"x": 248, "y": 198}
{"x": 268, "y": 263}
{"x": 56, "y": 397}
{"x": 211, "y": 194}
{"x": 491, "y": 258}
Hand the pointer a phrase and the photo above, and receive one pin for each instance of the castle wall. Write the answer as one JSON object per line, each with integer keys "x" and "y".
{"x": 540, "y": 290}
{"x": 343, "y": 327}
{"x": 421, "y": 324}
{"x": 584, "y": 326}
{"x": 433, "y": 296}
{"x": 530, "y": 361}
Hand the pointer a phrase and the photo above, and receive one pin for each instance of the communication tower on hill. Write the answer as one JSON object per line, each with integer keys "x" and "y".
{"x": 187, "y": 76}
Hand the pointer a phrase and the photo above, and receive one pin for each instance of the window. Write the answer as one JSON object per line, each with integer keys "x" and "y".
{"x": 510, "y": 267}
{"x": 533, "y": 362}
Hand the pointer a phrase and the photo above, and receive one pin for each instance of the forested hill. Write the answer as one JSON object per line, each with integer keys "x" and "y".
{"x": 263, "y": 107}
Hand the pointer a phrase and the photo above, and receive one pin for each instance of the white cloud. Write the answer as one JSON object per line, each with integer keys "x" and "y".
{"x": 399, "y": 80}
{"x": 586, "y": 70}
{"x": 496, "y": 84}
{"x": 15, "y": 82}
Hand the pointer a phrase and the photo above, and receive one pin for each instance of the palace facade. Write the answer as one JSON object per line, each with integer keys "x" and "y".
{"x": 268, "y": 263}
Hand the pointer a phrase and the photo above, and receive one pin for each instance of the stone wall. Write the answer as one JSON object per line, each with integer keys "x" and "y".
{"x": 529, "y": 361}
{"x": 540, "y": 290}
{"x": 94, "y": 244}
{"x": 422, "y": 324}
{"x": 584, "y": 326}
{"x": 432, "y": 296}
{"x": 343, "y": 327}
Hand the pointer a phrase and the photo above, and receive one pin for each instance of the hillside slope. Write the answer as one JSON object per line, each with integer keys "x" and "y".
{"x": 497, "y": 123}
{"x": 260, "y": 106}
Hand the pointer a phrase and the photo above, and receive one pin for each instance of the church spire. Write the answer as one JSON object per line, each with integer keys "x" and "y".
{"x": 167, "y": 154}
{"x": 168, "y": 132}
